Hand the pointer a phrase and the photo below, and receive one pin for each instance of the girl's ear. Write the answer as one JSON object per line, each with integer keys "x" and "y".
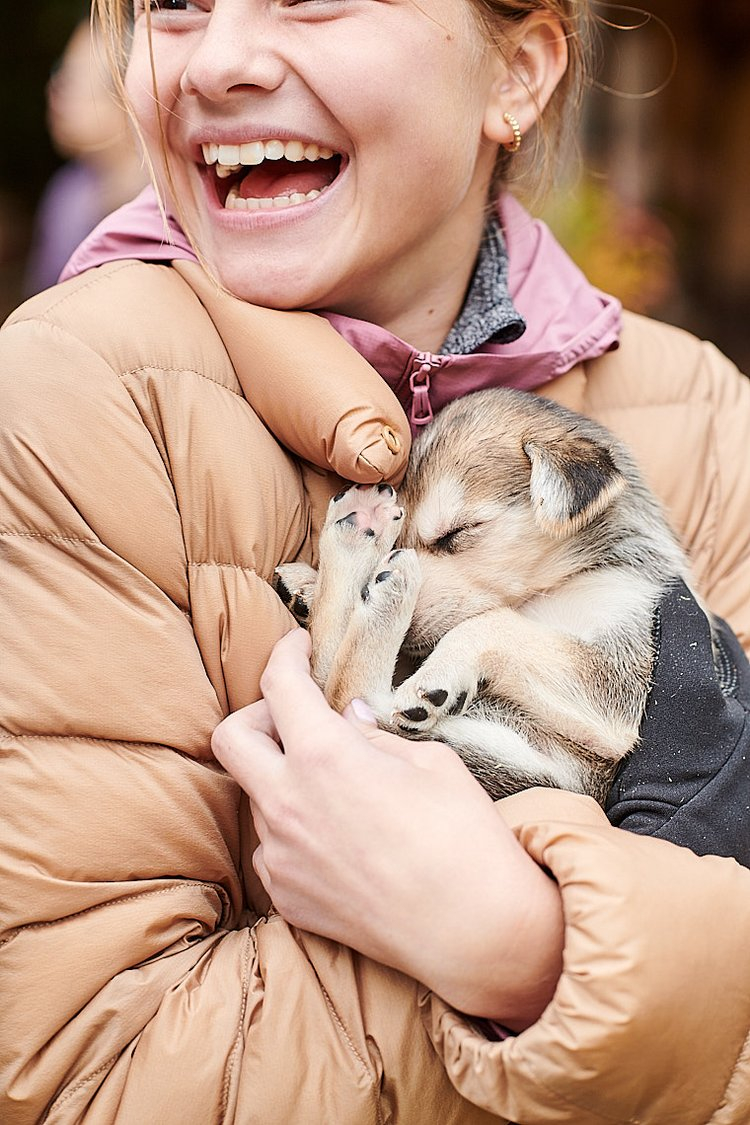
{"x": 526, "y": 78}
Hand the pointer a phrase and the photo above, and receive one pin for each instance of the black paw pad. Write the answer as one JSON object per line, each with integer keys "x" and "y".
{"x": 437, "y": 697}
{"x": 300, "y": 608}
{"x": 364, "y": 593}
{"x": 340, "y": 495}
{"x": 282, "y": 589}
{"x": 415, "y": 714}
{"x": 386, "y": 488}
{"x": 383, "y": 575}
{"x": 458, "y": 706}
{"x": 351, "y": 519}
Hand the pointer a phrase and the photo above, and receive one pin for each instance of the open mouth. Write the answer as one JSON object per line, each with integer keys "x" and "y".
{"x": 268, "y": 175}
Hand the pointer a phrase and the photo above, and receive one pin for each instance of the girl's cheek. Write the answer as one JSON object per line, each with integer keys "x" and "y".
{"x": 140, "y": 93}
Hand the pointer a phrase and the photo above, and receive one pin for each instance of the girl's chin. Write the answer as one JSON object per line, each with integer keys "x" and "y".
{"x": 274, "y": 292}
{"x": 273, "y": 268}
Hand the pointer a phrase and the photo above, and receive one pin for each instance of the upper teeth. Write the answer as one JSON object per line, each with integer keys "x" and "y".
{"x": 230, "y": 158}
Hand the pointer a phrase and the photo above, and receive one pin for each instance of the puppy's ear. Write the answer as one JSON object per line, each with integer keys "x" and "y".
{"x": 573, "y": 480}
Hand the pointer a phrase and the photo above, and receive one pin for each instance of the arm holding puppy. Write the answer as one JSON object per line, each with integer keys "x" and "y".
{"x": 392, "y": 847}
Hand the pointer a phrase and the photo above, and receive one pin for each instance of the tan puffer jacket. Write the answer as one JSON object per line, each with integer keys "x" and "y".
{"x": 144, "y": 506}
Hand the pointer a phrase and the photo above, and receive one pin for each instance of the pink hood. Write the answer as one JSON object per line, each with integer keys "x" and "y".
{"x": 567, "y": 319}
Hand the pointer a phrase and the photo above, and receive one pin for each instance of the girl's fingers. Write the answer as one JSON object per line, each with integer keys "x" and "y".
{"x": 417, "y": 752}
{"x": 261, "y": 870}
{"x": 295, "y": 701}
{"x": 295, "y": 717}
{"x": 246, "y": 743}
{"x": 360, "y": 715}
{"x": 249, "y": 742}
{"x": 260, "y": 822}
{"x": 256, "y": 718}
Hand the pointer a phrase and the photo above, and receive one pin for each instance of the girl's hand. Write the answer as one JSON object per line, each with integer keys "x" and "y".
{"x": 391, "y": 847}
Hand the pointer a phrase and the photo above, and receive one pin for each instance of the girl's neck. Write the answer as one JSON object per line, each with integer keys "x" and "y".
{"x": 423, "y": 312}
{"x": 427, "y": 324}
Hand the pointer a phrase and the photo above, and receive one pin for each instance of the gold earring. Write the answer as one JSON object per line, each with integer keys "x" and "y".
{"x": 515, "y": 144}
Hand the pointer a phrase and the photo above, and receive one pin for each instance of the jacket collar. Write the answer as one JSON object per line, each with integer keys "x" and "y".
{"x": 567, "y": 320}
{"x": 488, "y": 313}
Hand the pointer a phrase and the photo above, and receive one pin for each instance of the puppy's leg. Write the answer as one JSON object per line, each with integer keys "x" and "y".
{"x": 364, "y": 664}
{"x": 361, "y": 527}
{"x": 505, "y": 759}
{"x": 563, "y": 684}
{"x": 445, "y": 685}
{"x": 295, "y": 584}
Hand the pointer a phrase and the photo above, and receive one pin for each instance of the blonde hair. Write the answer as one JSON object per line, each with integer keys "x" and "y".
{"x": 533, "y": 169}
{"x": 113, "y": 22}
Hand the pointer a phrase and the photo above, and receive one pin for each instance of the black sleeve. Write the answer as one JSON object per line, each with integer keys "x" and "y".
{"x": 688, "y": 780}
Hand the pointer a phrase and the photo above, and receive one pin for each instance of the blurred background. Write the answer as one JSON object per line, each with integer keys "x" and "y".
{"x": 655, "y": 207}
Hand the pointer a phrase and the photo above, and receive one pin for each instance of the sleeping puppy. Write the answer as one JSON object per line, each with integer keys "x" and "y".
{"x": 531, "y": 559}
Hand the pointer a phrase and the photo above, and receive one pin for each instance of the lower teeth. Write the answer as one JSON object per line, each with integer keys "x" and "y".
{"x": 235, "y": 202}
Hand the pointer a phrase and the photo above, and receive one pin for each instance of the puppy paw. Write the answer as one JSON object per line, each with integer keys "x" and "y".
{"x": 392, "y": 591}
{"x": 432, "y": 694}
{"x": 369, "y": 512}
{"x": 295, "y": 584}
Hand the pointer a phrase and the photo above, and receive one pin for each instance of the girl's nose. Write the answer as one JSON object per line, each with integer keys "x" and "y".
{"x": 237, "y": 49}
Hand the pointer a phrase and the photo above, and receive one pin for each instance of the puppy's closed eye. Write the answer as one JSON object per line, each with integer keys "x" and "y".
{"x": 450, "y": 542}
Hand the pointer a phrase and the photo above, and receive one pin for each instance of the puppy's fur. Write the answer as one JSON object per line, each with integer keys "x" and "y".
{"x": 532, "y": 557}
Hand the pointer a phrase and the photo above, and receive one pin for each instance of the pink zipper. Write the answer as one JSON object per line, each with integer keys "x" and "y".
{"x": 423, "y": 364}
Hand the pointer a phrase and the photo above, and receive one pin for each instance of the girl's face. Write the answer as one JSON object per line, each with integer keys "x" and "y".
{"x": 324, "y": 153}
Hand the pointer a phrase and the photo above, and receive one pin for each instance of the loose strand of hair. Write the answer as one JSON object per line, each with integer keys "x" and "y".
{"x": 646, "y": 18}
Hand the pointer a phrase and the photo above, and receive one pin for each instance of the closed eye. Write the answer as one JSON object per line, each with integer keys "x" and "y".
{"x": 454, "y": 540}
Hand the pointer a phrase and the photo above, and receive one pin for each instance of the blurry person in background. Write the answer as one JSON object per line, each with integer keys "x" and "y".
{"x": 89, "y": 128}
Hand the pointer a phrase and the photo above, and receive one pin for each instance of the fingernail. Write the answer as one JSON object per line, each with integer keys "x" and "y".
{"x": 364, "y": 713}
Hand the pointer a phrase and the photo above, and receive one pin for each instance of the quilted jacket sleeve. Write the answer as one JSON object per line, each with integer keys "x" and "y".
{"x": 651, "y": 1017}
{"x": 684, "y": 409}
{"x": 728, "y": 569}
{"x": 140, "y": 981}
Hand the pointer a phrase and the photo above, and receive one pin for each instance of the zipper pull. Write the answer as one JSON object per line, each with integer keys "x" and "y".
{"x": 419, "y": 385}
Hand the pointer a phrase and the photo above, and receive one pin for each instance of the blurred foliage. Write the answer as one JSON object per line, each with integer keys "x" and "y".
{"x": 625, "y": 250}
